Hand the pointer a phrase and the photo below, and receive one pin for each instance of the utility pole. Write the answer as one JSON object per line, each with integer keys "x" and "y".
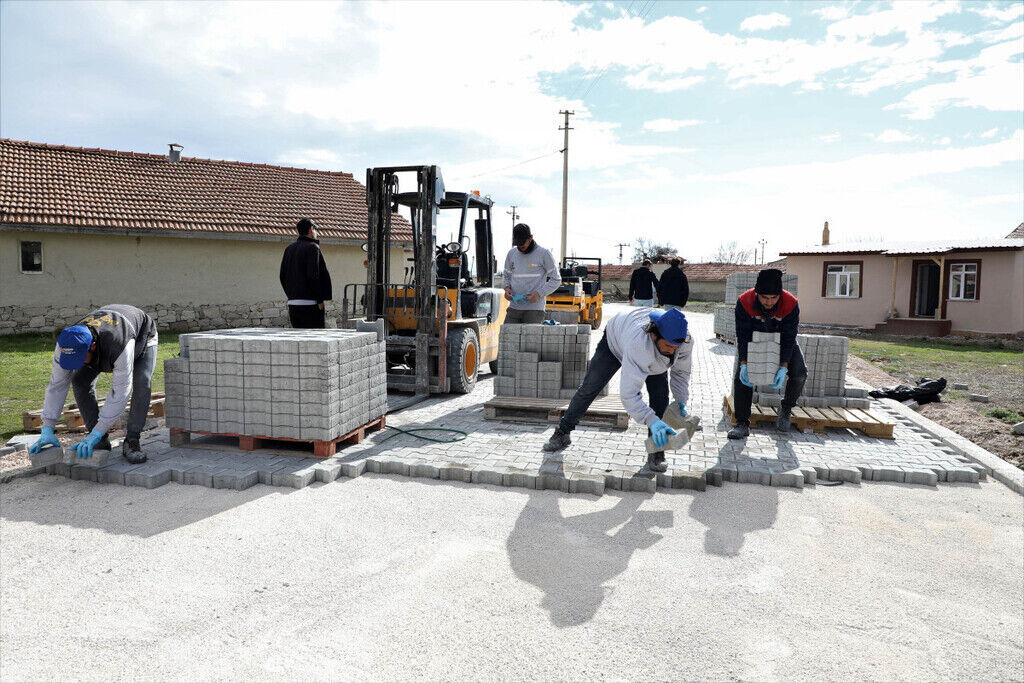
{"x": 620, "y": 246}
{"x": 565, "y": 177}
{"x": 515, "y": 216}
{"x": 762, "y": 242}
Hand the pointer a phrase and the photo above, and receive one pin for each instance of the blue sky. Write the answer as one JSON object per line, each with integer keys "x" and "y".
{"x": 696, "y": 123}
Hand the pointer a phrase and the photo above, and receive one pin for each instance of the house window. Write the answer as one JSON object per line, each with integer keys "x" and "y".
{"x": 963, "y": 281}
{"x": 31, "y": 257}
{"x": 842, "y": 280}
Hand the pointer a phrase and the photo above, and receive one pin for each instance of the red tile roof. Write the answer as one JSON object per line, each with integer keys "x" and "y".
{"x": 1017, "y": 232}
{"x": 698, "y": 271}
{"x": 54, "y": 185}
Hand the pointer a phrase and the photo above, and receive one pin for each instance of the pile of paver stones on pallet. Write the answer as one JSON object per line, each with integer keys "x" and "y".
{"x": 309, "y": 385}
{"x": 542, "y": 361}
{"x": 736, "y": 284}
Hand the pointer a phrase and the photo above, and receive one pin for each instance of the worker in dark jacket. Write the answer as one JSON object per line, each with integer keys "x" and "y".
{"x": 767, "y": 308}
{"x": 305, "y": 279}
{"x": 674, "y": 288}
{"x": 643, "y": 286}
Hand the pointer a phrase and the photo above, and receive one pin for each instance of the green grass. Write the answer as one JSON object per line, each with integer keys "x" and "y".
{"x": 25, "y": 364}
{"x": 1007, "y": 416}
{"x": 932, "y": 356}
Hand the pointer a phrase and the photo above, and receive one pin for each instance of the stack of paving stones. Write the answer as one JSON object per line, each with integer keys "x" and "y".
{"x": 725, "y": 321}
{"x": 307, "y": 385}
{"x": 737, "y": 283}
{"x": 542, "y": 361}
{"x": 825, "y": 357}
{"x": 763, "y": 358}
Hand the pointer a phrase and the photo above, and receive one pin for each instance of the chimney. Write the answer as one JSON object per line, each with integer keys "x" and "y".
{"x": 824, "y": 235}
{"x": 174, "y": 152}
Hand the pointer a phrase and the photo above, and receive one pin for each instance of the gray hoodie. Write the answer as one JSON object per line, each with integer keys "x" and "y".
{"x": 532, "y": 272}
{"x": 640, "y": 357}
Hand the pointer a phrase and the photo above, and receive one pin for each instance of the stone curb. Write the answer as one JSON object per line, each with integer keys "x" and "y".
{"x": 26, "y": 471}
{"x": 999, "y": 469}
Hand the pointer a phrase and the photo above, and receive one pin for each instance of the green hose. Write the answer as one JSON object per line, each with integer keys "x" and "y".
{"x": 411, "y": 432}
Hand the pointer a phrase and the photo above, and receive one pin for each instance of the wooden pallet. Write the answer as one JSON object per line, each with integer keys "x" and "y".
{"x": 606, "y": 411}
{"x": 817, "y": 419}
{"x": 71, "y": 419}
{"x": 723, "y": 338}
{"x": 321, "y": 449}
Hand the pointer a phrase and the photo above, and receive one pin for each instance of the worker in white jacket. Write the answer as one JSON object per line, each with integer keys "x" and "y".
{"x": 119, "y": 339}
{"x": 650, "y": 347}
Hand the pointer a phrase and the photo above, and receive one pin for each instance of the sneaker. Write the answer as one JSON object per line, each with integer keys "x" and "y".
{"x": 740, "y": 431}
{"x": 782, "y": 424}
{"x": 656, "y": 462}
{"x": 557, "y": 442}
{"x": 132, "y": 452}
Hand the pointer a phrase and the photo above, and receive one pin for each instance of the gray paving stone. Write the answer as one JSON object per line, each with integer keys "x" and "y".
{"x": 148, "y": 475}
{"x": 47, "y": 456}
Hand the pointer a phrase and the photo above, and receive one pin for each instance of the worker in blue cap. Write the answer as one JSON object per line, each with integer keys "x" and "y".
{"x": 647, "y": 345}
{"x": 118, "y": 339}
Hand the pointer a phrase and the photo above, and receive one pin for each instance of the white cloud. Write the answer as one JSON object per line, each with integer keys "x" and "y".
{"x": 892, "y": 135}
{"x": 1011, "y": 198}
{"x": 831, "y": 137}
{"x": 832, "y": 13}
{"x": 764, "y": 22}
{"x": 670, "y": 125}
{"x": 702, "y": 9}
{"x": 990, "y": 133}
{"x": 320, "y": 159}
{"x": 644, "y": 81}
{"x": 945, "y": 141}
{"x": 999, "y": 15}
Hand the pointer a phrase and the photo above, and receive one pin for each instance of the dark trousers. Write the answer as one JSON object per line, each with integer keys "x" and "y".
{"x": 795, "y": 379}
{"x": 307, "y": 317}
{"x": 603, "y": 367}
{"x": 83, "y": 382}
{"x": 516, "y": 316}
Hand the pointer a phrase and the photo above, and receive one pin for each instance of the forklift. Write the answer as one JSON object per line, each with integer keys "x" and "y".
{"x": 440, "y": 323}
{"x": 579, "y": 299}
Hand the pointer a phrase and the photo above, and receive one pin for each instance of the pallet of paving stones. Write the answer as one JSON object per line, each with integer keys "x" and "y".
{"x": 71, "y": 419}
{"x": 606, "y": 411}
{"x": 321, "y": 449}
{"x": 817, "y": 419}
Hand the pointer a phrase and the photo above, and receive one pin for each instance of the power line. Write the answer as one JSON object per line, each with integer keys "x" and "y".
{"x": 520, "y": 163}
{"x": 641, "y": 14}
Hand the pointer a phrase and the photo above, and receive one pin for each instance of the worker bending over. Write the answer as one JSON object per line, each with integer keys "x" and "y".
{"x": 646, "y": 344}
{"x": 767, "y": 308}
{"x": 117, "y": 338}
{"x": 530, "y": 275}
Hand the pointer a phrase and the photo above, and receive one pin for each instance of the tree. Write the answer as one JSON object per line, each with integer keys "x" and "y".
{"x": 644, "y": 248}
{"x": 730, "y": 252}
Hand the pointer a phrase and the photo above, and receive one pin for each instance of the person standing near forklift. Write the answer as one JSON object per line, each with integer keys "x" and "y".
{"x": 643, "y": 286}
{"x": 530, "y": 275}
{"x": 305, "y": 279}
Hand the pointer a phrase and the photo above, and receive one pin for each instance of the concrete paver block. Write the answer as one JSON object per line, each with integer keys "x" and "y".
{"x": 47, "y": 456}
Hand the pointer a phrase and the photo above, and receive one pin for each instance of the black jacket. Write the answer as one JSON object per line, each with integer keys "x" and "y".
{"x": 674, "y": 289}
{"x": 304, "y": 272}
{"x": 643, "y": 284}
{"x": 112, "y": 327}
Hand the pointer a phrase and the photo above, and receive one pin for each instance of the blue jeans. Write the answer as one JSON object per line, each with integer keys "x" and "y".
{"x": 643, "y": 303}
{"x": 84, "y": 384}
{"x": 603, "y": 367}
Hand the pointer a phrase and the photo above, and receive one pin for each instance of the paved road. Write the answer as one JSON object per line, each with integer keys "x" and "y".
{"x": 386, "y": 577}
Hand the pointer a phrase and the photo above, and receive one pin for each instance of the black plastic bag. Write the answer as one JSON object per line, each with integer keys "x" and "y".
{"x": 926, "y": 391}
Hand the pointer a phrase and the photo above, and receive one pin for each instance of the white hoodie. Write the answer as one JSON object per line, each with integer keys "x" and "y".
{"x": 640, "y": 357}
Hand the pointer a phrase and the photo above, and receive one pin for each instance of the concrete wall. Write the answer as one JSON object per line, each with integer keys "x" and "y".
{"x": 187, "y": 283}
{"x": 999, "y": 310}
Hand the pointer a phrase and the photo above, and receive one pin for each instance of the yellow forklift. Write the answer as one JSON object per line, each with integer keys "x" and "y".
{"x": 579, "y": 299}
{"x": 441, "y": 323}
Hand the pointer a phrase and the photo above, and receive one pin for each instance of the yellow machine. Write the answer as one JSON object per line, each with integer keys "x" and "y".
{"x": 579, "y": 299}
{"x": 441, "y": 323}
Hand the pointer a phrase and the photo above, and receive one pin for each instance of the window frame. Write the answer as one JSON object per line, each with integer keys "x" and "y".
{"x": 949, "y": 279}
{"x": 42, "y": 260}
{"x": 825, "y": 294}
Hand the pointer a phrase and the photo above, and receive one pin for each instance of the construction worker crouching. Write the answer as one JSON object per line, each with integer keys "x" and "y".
{"x": 767, "y": 308}
{"x": 530, "y": 275}
{"x": 117, "y": 338}
{"x": 646, "y": 344}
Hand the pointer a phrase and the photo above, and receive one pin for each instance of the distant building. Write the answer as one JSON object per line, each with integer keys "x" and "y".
{"x": 195, "y": 242}
{"x": 934, "y": 287}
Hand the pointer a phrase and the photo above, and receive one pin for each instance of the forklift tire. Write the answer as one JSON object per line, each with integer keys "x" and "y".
{"x": 595, "y": 317}
{"x": 463, "y": 360}
{"x": 494, "y": 367}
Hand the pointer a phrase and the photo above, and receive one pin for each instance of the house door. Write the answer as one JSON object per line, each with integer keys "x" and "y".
{"x": 926, "y": 290}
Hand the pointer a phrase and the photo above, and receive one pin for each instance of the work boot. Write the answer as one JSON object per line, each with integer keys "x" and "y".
{"x": 656, "y": 462}
{"x": 740, "y": 431}
{"x": 557, "y": 442}
{"x": 132, "y": 451}
{"x": 103, "y": 444}
{"x": 782, "y": 424}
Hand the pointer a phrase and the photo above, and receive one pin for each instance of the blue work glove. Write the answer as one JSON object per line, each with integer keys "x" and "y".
{"x": 660, "y": 432}
{"x": 519, "y": 299}
{"x": 780, "y": 377}
{"x": 682, "y": 409}
{"x": 743, "y": 376}
{"x": 549, "y": 321}
{"x": 83, "y": 449}
{"x": 46, "y": 438}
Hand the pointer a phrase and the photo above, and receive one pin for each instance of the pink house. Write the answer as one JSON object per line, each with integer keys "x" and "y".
{"x": 970, "y": 286}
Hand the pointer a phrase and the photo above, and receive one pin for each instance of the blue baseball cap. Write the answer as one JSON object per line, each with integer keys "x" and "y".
{"x": 74, "y": 343}
{"x": 671, "y": 325}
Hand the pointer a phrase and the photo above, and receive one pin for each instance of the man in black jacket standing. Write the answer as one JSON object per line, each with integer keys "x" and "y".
{"x": 674, "y": 288}
{"x": 305, "y": 279}
{"x": 643, "y": 286}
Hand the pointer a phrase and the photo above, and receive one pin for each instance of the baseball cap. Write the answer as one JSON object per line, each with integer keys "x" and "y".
{"x": 521, "y": 233}
{"x": 73, "y": 344}
{"x": 671, "y": 325}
